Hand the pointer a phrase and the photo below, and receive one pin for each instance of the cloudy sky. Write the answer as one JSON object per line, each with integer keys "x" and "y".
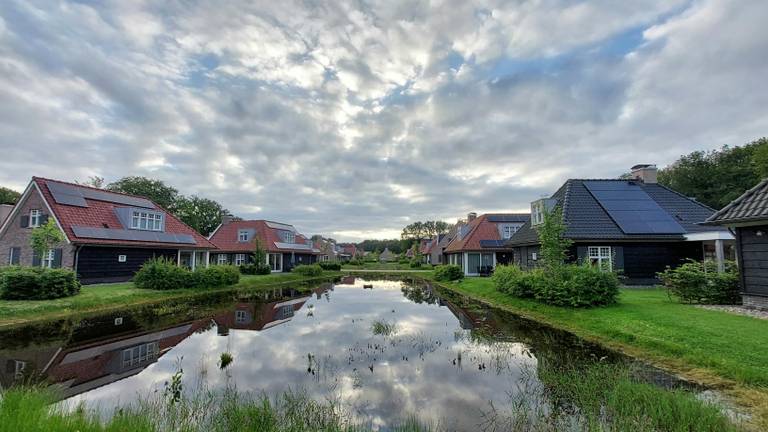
{"x": 355, "y": 119}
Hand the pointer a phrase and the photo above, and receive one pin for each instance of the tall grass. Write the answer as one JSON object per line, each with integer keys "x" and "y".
{"x": 384, "y": 328}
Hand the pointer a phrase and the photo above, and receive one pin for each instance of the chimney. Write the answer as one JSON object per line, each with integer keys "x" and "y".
{"x": 225, "y": 219}
{"x": 5, "y": 210}
{"x": 646, "y": 173}
{"x": 471, "y": 216}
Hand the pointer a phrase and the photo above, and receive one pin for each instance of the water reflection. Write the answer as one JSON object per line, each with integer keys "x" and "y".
{"x": 445, "y": 359}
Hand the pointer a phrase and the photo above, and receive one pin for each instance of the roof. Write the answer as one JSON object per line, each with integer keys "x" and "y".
{"x": 225, "y": 238}
{"x": 94, "y": 217}
{"x": 751, "y": 206}
{"x": 586, "y": 219}
{"x": 483, "y": 232}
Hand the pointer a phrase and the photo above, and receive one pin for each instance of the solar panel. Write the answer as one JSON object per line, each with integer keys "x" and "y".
{"x": 507, "y": 218}
{"x": 133, "y": 235}
{"x": 632, "y": 209}
{"x": 75, "y": 196}
{"x": 491, "y": 243}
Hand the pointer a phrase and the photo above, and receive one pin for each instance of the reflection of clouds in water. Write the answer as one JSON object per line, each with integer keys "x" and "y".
{"x": 333, "y": 352}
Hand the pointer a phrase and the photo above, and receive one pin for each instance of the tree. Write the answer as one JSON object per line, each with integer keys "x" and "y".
{"x": 202, "y": 214}
{"x": 422, "y": 230}
{"x": 93, "y": 181}
{"x": 259, "y": 253}
{"x": 45, "y": 237}
{"x": 165, "y": 196}
{"x": 718, "y": 177}
{"x": 554, "y": 246}
{"x": 8, "y": 196}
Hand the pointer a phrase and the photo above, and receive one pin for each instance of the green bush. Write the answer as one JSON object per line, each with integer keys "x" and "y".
{"x": 216, "y": 276}
{"x": 415, "y": 264}
{"x": 404, "y": 261}
{"x": 35, "y": 283}
{"x": 255, "y": 269}
{"x": 355, "y": 262}
{"x": 700, "y": 282}
{"x": 163, "y": 274}
{"x": 446, "y": 273}
{"x": 516, "y": 282}
{"x": 308, "y": 270}
{"x": 330, "y": 266}
{"x": 576, "y": 286}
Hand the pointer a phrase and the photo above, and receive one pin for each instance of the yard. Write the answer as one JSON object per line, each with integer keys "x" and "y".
{"x": 712, "y": 347}
{"x": 106, "y": 296}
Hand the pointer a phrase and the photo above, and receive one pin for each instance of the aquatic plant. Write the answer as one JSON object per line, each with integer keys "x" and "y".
{"x": 225, "y": 360}
{"x": 384, "y": 328}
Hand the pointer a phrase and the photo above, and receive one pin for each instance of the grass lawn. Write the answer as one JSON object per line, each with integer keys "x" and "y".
{"x": 715, "y": 348}
{"x": 381, "y": 266}
{"x": 105, "y": 296}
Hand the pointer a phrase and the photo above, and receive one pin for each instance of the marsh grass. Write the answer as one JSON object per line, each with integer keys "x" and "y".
{"x": 384, "y": 328}
{"x": 225, "y": 359}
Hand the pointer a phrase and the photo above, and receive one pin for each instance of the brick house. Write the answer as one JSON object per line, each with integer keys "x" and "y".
{"x": 479, "y": 244}
{"x": 107, "y": 235}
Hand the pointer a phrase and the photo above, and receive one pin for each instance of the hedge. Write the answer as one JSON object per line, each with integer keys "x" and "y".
{"x": 330, "y": 266}
{"x": 36, "y": 283}
{"x": 447, "y": 273}
{"x": 164, "y": 274}
{"x": 308, "y": 270}
{"x": 255, "y": 269}
{"x": 700, "y": 282}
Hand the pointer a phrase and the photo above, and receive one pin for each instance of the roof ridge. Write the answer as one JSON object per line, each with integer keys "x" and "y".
{"x": 92, "y": 188}
{"x": 738, "y": 200}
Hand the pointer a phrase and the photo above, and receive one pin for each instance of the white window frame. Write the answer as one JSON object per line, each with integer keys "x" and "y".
{"x": 242, "y": 235}
{"x": 48, "y": 258}
{"x": 240, "y": 259}
{"x": 241, "y": 316}
{"x": 537, "y": 216}
{"x": 508, "y": 231}
{"x": 122, "y": 258}
{"x": 146, "y": 221}
{"x": 34, "y": 218}
{"x": 135, "y": 356}
{"x": 10, "y": 255}
{"x": 290, "y": 237}
{"x": 221, "y": 259}
{"x": 276, "y": 264}
{"x": 18, "y": 369}
{"x": 602, "y": 256}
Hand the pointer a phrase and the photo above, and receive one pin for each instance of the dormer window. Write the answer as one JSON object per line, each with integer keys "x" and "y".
{"x": 508, "y": 230}
{"x": 537, "y": 213}
{"x": 243, "y": 236}
{"x": 146, "y": 221}
{"x": 289, "y": 237}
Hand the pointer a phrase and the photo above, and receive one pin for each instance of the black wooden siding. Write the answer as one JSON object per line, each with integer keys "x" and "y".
{"x": 100, "y": 264}
{"x": 753, "y": 259}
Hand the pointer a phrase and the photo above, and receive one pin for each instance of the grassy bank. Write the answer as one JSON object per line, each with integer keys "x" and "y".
{"x": 715, "y": 348}
{"x": 107, "y": 296}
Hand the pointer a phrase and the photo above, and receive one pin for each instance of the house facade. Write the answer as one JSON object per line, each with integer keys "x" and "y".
{"x": 286, "y": 248}
{"x": 747, "y": 216}
{"x": 634, "y": 226}
{"x": 107, "y": 236}
{"x": 479, "y": 244}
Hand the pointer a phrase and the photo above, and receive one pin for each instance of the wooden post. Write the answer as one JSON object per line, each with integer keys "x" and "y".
{"x": 720, "y": 255}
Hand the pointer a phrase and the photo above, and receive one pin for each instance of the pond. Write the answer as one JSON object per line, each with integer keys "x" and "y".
{"x": 384, "y": 349}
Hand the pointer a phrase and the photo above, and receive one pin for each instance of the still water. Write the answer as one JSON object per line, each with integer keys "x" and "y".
{"x": 384, "y": 349}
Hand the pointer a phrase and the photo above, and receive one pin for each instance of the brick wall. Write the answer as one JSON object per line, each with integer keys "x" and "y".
{"x": 756, "y": 302}
{"x": 15, "y": 236}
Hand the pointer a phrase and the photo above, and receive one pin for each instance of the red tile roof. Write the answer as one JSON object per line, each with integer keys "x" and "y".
{"x": 98, "y": 213}
{"x": 225, "y": 238}
{"x": 478, "y": 229}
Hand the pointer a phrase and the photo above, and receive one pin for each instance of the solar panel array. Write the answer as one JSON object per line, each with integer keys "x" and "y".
{"x": 135, "y": 235}
{"x": 75, "y": 196}
{"x": 632, "y": 209}
{"x": 508, "y": 218}
{"x": 492, "y": 243}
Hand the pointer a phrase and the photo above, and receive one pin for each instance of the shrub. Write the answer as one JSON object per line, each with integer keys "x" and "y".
{"x": 415, "y": 264}
{"x": 446, "y": 273}
{"x": 576, "y": 286}
{"x": 516, "y": 282}
{"x": 34, "y": 283}
{"x": 355, "y": 262}
{"x": 700, "y": 282}
{"x": 255, "y": 269}
{"x": 216, "y": 276}
{"x": 163, "y": 274}
{"x": 404, "y": 261}
{"x": 308, "y": 270}
{"x": 330, "y": 266}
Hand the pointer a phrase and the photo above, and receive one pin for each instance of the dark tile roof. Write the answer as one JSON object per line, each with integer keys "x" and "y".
{"x": 751, "y": 206}
{"x": 586, "y": 219}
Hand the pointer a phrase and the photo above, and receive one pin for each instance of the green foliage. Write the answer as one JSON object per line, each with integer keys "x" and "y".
{"x": 28, "y": 283}
{"x": 700, "y": 282}
{"x": 415, "y": 263}
{"x": 516, "y": 282}
{"x": 554, "y": 246}
{"x": 308, "y": 270}
{"x": 156, "y": 190}
{"x": 259, "y": 256}
{"x": 225, "y": 359}
{"x": 576, "y": 286}
{"x": 355, "y": 262}
{"x": 717, "y": 177}
{"x": 330, "y": 265}
{"x": 394, "y": 246}
{"x": 45, "y": 237}
{"x": 422, "y": 230}
{"x": 202, "y": 214}
{"x": 404, "y": 261}
{"x": 446, "y": 273}
{"x": 255, "y": 269}
{"x": 164, "y": 274}
{"x": 384, "y": 328}
{"x": 8, "y": 196}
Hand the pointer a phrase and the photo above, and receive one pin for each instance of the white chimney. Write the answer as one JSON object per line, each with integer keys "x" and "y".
{"x": 471, "y": 216}
{"x": 647, "y": 173}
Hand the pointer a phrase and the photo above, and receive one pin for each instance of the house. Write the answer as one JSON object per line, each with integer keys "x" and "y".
{"x": 387, "y": 256}
{"x": 235, "y": 241}
{"x": 479, "y": 244}
{"x": 327, "y": 250}
{"x": 747, "y": 216}
{"x": 107, "y": 235}
{"x": 350, "y": 251}
{"x": 634, "y": 226}
{"x": 5, "y": 210}
{"x": 433, "y": 253}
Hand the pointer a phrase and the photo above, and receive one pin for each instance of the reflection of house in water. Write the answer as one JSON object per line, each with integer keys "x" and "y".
{"x": 23, "y": 364}
{"x": 259, "y": 316}
{"x": 86, "y": 367}
{"x": 465, "y": 321}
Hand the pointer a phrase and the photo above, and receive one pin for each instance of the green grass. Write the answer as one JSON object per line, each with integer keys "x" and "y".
{"x": 107, "y": 296}
{"x": 384, "y": 328}
{"x": 382, "y": 266}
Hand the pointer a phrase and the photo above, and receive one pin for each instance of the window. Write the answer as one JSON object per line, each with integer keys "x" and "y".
{"x": 122, "y": 258}
{"x": 18, "y": 369}
{"x": 34, "y": 218}
{"x": 243, "y": 236}
{"x": 537, "y": 213}
{"x": 147, "y": 221}
{"x": 276, "y": 262}
{"x": 285, "y": 312}
{"x": 239, "y": 259}
{"x": 289, "y": 237}
{"x": 241, "y": 316}
{"x": 508, "y": 231}
{"x": 11, "y": 255}
{"x": 601, "y": 256}
{"x": 473, "y": 263}
{"x": 222, "y": 259}
{"x": 140, "y": 354}
{"x": 49, "y": 258}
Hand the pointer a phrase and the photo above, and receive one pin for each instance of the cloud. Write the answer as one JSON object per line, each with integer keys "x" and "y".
{"x": 353, "y": 118}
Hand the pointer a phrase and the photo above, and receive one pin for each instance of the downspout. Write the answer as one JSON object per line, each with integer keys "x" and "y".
{"x": 77, "y": 257}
